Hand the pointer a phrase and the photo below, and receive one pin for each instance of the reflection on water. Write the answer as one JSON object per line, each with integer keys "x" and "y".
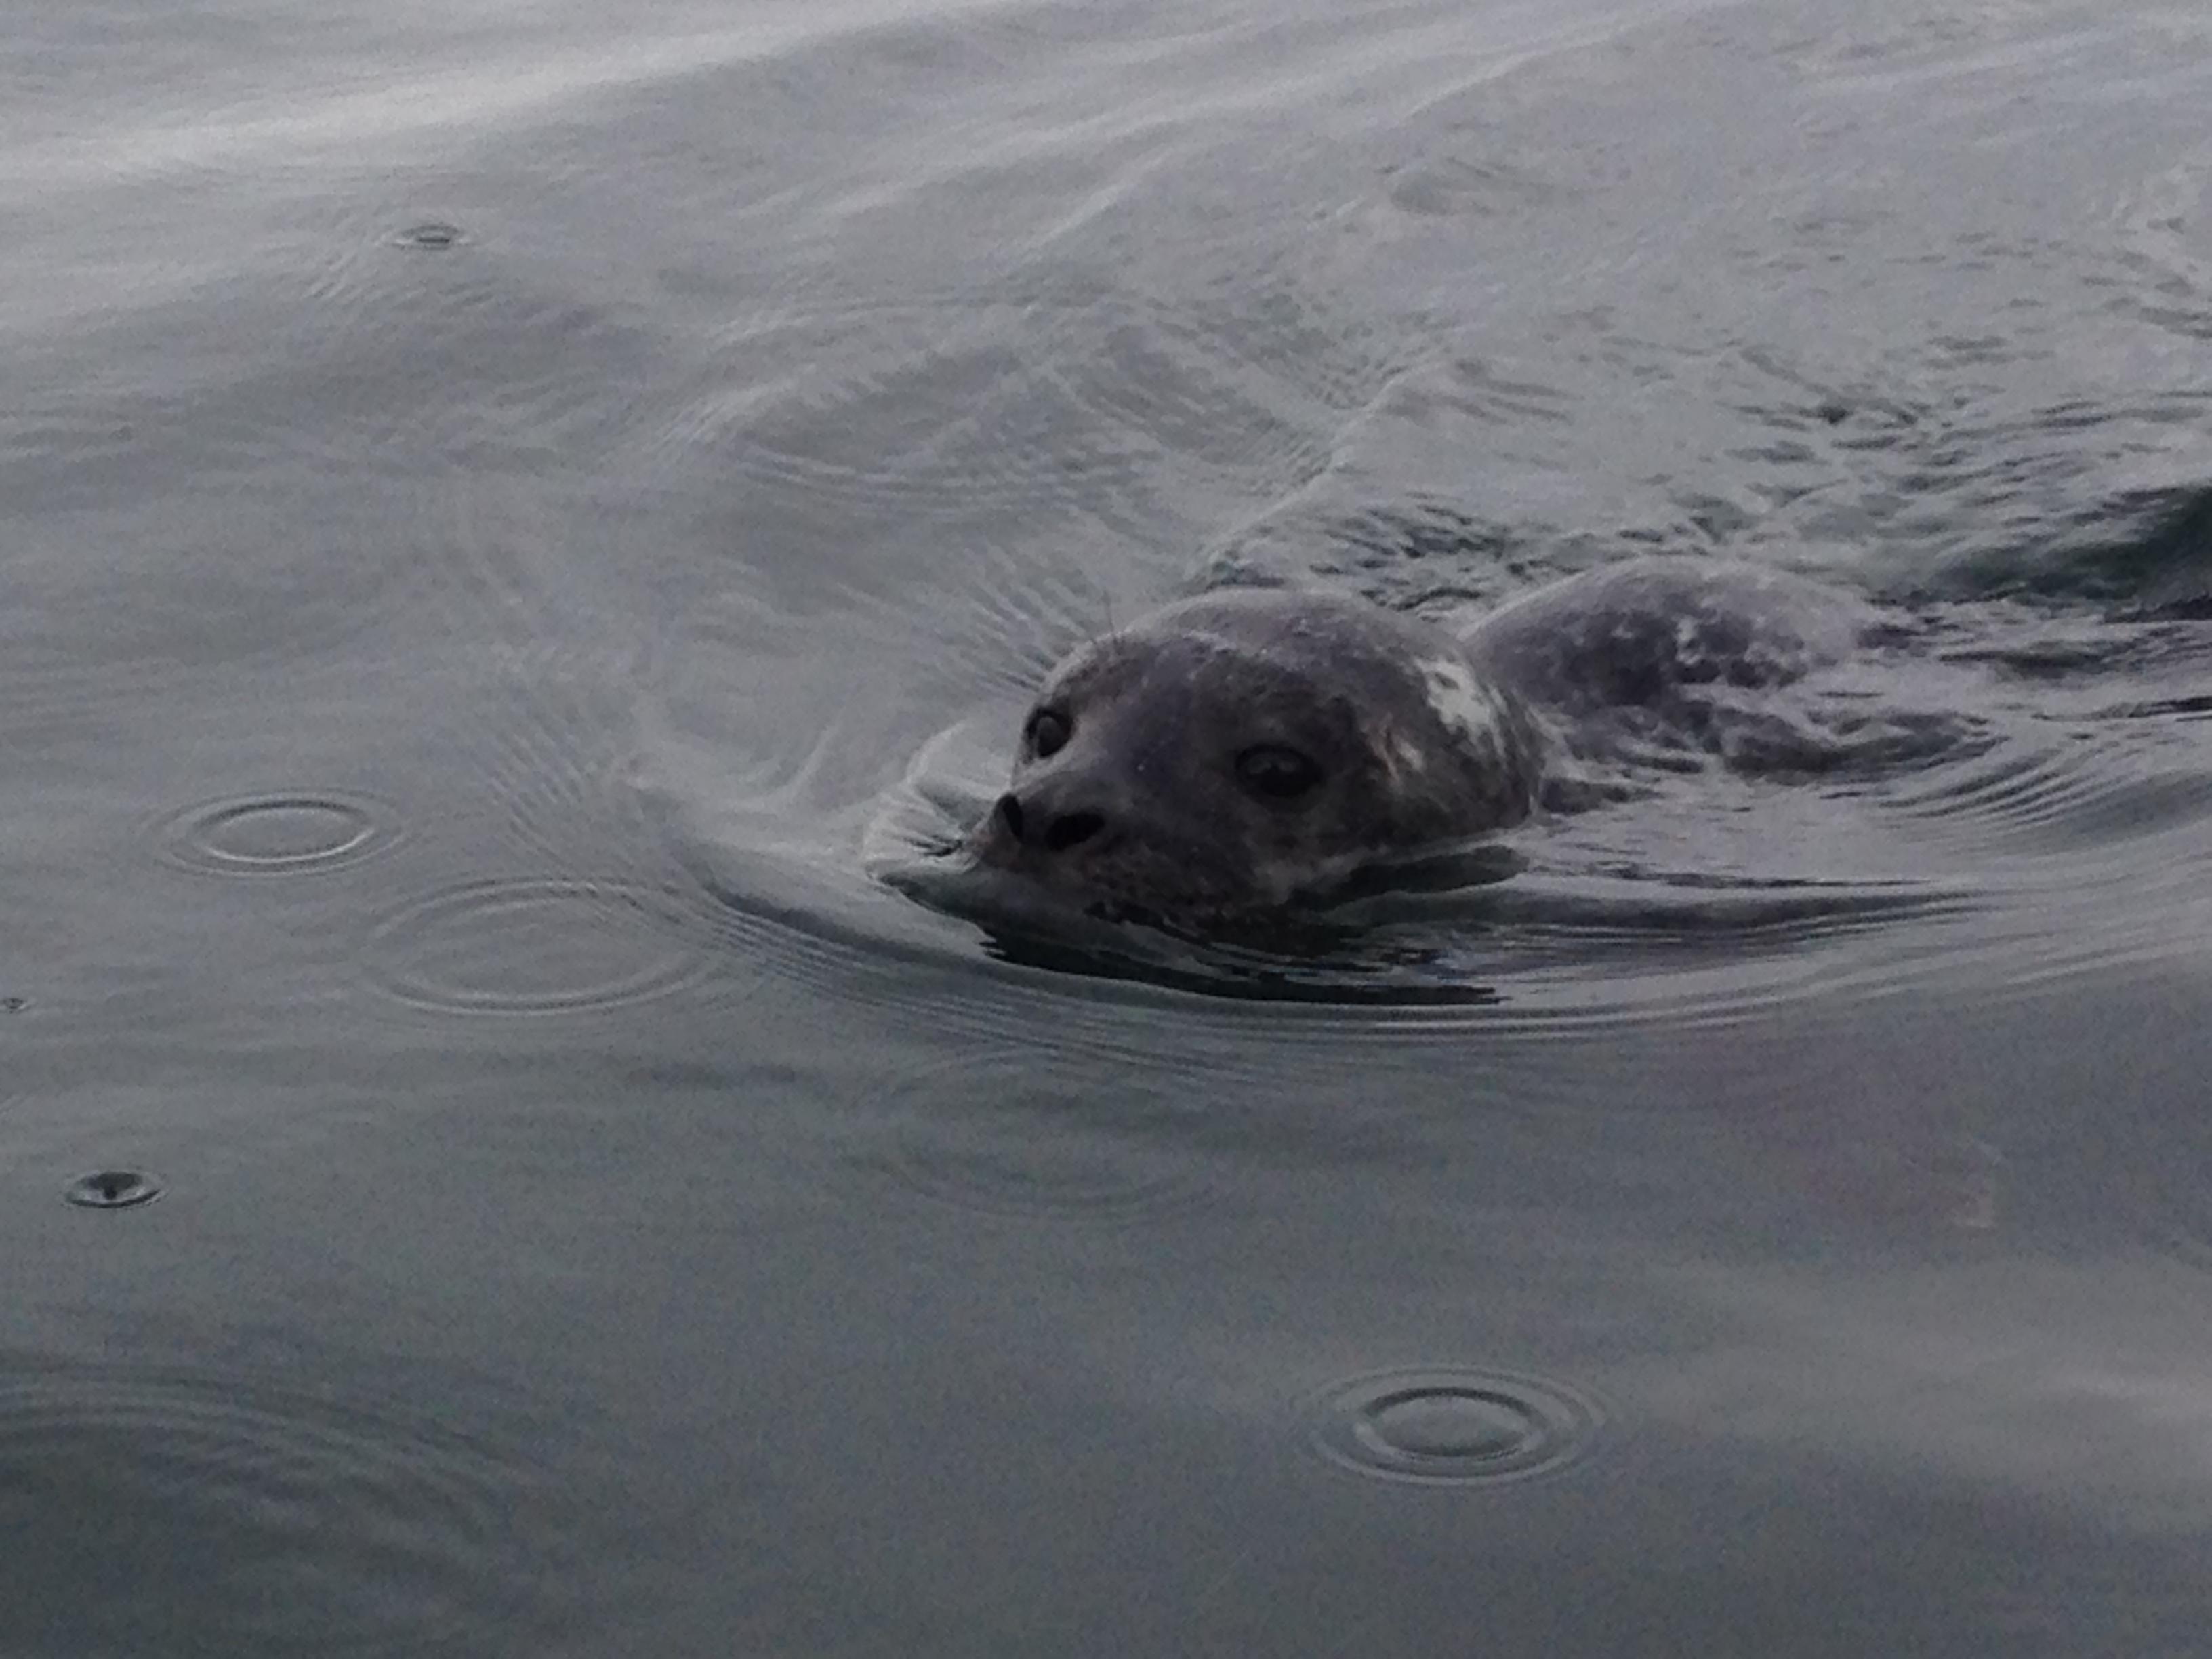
{"x": 198, "y": 1513}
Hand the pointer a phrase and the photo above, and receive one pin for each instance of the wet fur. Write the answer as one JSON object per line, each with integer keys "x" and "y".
{"x": 1424, "y": 738}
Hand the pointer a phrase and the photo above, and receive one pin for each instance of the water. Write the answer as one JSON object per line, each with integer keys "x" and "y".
{"x": 521, "y": 528}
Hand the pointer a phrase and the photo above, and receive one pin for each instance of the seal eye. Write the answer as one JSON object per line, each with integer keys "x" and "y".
{"x": 1047, "y": 731}
{"x": 1279, "y": 773}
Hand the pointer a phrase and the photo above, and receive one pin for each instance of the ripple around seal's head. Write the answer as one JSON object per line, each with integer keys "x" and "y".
{"x": 1451, "y": 1426}
{"x": 538, "y": 945}
{"x": 283, "y": 833}
{"x": 157, "y": 1511}
{"x": 857, "y": 908}
{"x": 1913, "y": 814}
{"x": 1538, "y": 931}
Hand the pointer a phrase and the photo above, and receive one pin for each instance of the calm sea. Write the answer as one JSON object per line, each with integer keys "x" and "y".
{"x": 523, "y": 525}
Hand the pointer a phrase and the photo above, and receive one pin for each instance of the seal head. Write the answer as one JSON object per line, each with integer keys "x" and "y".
{"x": 1233, "y": 753}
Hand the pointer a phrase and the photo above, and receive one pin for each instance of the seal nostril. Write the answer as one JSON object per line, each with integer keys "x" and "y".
{"x": 1010, "y": 814}
{"x": 1071, "y": 829}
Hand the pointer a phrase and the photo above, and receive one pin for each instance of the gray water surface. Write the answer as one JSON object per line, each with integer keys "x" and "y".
{"x": 524, "y": 529}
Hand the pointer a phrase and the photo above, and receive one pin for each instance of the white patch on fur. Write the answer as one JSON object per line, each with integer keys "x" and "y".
{"x": 1469, "y": 709}
{"x": 1408, "y": 754}
{"x": 1283, "y": 879}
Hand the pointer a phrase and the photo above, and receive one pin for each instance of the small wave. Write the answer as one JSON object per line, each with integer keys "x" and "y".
{"x": 2142, "y": 553}
{"x": 2088, "y": 798}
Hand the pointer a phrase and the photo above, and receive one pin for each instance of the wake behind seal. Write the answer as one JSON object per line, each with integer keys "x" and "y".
{"x": 1232, "y": 754}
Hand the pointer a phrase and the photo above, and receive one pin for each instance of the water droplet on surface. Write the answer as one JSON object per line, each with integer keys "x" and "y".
{"x": 281, "y": 834}
{"x": 112, "y": 1189}
{"x": 1448, "y": 1423}
{"x": 1452, "y": 1426}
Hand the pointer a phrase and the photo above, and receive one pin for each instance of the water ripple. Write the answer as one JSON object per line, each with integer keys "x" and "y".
{"x": 1055, "y": 1133}
{"x": 176, "y": 1511}
{"x": 536, "y": 946}
{"x": 284, "y": 832}
{"x": 1449, "y": 1425}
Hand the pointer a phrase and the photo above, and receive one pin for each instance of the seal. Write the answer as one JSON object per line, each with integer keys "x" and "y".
{"x": 1250, "y": 748}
